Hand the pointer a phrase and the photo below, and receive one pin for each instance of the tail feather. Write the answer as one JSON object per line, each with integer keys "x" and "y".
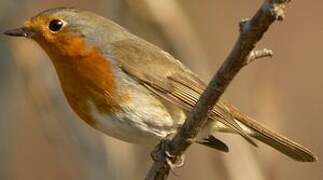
{"x": 279, "y": 142}
{"x": 273, "y": 139}
{"x": 214, "y": 143}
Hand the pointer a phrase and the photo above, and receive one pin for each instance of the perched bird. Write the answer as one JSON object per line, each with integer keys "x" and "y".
{"x": 130, "y": 89}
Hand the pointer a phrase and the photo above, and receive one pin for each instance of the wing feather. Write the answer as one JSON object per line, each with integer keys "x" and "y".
{"x": 178, "y": 85}
{"x": 172, "y": 81}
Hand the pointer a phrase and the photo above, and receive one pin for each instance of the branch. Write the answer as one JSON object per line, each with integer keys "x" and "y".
{"x": 251, "y": 31}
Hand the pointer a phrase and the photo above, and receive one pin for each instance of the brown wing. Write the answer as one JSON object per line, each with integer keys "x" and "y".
{"x": 175, "y": 83}
{"x": 167, "y": 77}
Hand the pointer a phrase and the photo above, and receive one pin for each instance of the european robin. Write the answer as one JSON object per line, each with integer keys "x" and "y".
{"x": 130, "y": 89}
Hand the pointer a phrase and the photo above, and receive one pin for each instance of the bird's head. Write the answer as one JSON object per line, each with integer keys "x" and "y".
{"x": 64, "y": 31}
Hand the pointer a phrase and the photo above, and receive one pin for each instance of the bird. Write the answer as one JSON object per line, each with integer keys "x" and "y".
{"x": 132, "y": 90}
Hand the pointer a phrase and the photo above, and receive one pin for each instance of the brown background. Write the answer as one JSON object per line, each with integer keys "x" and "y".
{"x": 40, "y": 138}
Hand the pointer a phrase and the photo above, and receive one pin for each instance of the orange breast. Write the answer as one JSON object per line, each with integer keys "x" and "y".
{"x": 85, "y": 75}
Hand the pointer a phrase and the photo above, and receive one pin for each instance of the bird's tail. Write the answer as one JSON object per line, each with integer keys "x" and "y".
{"x": 273, "y": 139}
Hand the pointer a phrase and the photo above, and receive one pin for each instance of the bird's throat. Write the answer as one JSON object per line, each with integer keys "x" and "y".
{"x": 85, "y": 75}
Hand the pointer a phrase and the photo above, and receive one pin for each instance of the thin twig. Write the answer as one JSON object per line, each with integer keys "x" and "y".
{"x": 251, "y": 31}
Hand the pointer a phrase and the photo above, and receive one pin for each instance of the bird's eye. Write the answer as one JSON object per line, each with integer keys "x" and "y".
{"x": 55, "y": 25}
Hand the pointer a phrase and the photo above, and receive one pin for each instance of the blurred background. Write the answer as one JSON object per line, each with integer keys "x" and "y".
{"x": 40, "y": 137}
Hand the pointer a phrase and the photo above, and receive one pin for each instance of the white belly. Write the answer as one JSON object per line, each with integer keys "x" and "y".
{"x": 141, "y": 122}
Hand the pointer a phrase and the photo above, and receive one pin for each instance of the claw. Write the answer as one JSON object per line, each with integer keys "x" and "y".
{"x": 177, "y": 164}
{"x": 162, "y": 152}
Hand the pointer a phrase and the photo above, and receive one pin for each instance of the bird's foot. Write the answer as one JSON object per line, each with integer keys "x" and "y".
{"x": 162, "y": 152}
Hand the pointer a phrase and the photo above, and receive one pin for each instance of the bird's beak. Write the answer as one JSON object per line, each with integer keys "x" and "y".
{"x": 19, "y": 32}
